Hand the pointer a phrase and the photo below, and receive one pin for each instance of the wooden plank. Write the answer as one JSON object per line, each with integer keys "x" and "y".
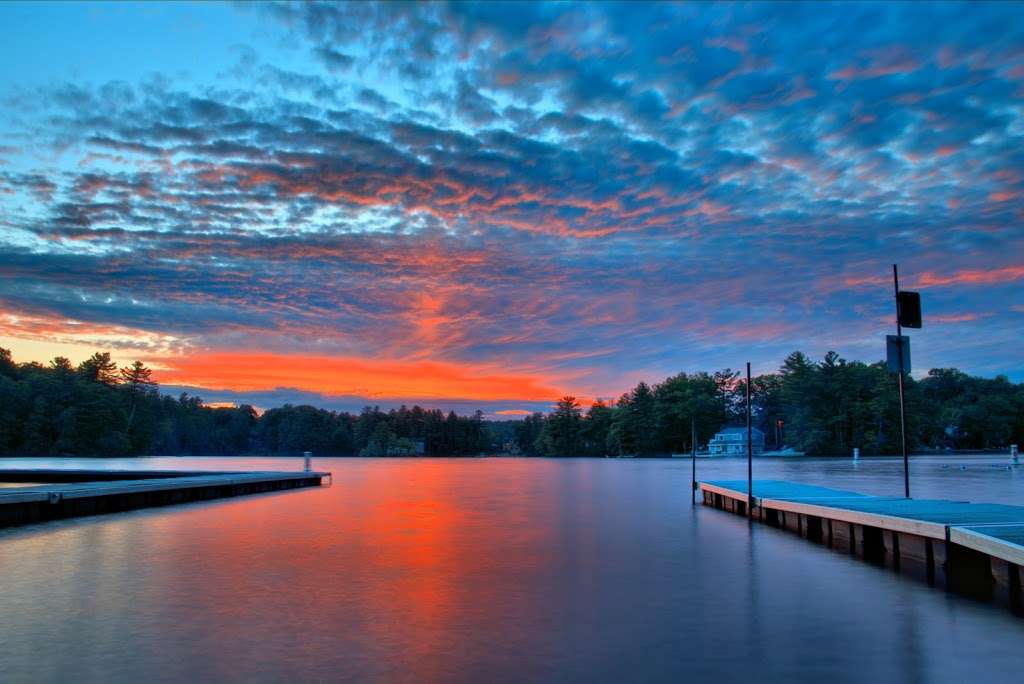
{"x": 77, "y": 490}
{"x": 888, "y": 522}
{"x": 724, "y": 491}
{"x": 180, "y": 483}
{"x": 41, "y": 503}
{"x": 939, "y": 511}
{"x": 781, "y": 489}
{"x": 995, "y": 540}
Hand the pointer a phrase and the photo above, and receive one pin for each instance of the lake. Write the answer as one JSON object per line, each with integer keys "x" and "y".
{"x": 490, "y": 570}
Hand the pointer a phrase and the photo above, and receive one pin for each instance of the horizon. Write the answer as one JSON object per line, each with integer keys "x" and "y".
{"x": 514, "y": 204}
{"x": 279, "y": 397}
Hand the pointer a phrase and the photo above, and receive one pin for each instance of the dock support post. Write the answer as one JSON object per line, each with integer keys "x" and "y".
{"x": 896, "y": 561}
{"x": 307, "y": 457}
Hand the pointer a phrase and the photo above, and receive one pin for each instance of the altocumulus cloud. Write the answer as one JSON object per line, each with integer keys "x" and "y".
{"x": 544, "y": 197}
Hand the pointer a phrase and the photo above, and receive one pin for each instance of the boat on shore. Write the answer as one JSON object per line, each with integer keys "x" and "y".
{"x": 782, "y": 453}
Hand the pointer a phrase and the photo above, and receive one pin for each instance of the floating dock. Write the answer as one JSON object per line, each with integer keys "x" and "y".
{"x": 55, "y": 494}
{"x": 971, "y": 548}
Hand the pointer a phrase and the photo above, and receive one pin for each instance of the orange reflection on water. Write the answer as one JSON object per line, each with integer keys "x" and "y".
{"x": 389, "y": 555}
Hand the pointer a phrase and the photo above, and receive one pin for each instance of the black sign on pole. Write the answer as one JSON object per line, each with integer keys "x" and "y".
{"x": 908, "y": 308}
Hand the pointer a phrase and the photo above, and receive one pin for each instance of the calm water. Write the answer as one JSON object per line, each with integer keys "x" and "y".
{"x": 486, "y": 570}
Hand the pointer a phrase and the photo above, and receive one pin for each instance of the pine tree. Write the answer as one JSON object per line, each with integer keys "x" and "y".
{"x": 99, "y": 368}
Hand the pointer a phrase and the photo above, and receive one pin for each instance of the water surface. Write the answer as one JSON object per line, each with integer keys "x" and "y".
{"x": 489, "y": 570}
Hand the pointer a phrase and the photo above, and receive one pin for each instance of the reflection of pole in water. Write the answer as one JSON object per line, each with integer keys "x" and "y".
{"x": 754, "y": 579}
{"x": 693, "y": 459}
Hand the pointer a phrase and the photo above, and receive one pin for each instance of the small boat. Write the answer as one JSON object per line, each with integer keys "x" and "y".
{"x": 788, "y": 452}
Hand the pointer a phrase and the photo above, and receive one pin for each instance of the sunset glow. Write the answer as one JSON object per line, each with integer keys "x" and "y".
{"x": 349, "y": 376}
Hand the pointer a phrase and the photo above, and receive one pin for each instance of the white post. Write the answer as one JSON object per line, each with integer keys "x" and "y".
{"x": 307, "y": 457}
{"x": 856, "y": 454}
{"x": 1014, "y": 454}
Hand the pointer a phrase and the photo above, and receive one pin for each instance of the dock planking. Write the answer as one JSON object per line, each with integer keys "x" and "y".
{"x": 973, "y": 548}
{"x": 71, "y": 493}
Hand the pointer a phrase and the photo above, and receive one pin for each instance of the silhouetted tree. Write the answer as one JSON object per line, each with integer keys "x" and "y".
{"x": 560, "y": 435}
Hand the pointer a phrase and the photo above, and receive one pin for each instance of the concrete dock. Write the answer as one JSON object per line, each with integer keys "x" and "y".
{"x": 971, "y": 548}
{"x": 54, "y": 494}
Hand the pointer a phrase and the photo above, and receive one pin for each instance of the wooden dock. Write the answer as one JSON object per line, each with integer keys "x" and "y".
{"x": 971, "y": 548}
{"x": 55, "y": 494}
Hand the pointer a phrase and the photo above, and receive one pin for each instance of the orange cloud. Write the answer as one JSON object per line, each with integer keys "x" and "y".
{"x": 221, "y": 404}
{"x": 953, "y": 318}
{"x": 972, "y": 277}
{"x": 514, "y": 412}
{"x": 882, "y": 63}
{"x": 1008, "y": 274}
{"x": 247, "y": 372}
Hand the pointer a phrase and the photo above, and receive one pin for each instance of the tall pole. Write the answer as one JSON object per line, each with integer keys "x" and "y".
{"x": 750, "y": 454}
{"x": 693, "y": 459}
{"x": 903, "y": 415}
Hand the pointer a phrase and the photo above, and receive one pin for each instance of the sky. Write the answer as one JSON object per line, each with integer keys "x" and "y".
{"x": 491, "y": 205}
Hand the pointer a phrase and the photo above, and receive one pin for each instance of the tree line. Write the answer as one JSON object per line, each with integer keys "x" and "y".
{"x": 98, "y": 409}
{"x": 824, "y": 408}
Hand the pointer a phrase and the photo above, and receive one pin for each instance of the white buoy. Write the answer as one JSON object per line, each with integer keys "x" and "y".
{"x": 856, "y": 454}
{"x": 307, "y": 457}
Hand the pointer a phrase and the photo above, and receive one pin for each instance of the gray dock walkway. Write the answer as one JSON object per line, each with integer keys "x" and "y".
{"x": 56, "y": 494}
{"x": 975, "y": 548}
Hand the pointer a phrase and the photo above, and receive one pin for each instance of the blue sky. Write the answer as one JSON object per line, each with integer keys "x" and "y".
{"x": 492, "y": 204}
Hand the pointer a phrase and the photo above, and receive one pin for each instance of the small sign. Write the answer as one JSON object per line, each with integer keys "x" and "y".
{"x": 908, "y": 308}
{"x": 892, "y": 353}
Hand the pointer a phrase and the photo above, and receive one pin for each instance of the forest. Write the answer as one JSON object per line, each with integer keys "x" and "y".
{"x": 98, "y": 409}
{"x": 823, "y": 408}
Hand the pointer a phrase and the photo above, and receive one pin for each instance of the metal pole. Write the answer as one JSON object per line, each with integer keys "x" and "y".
{"x": 693, "y": 459}
{"x": 903, "y": 416}
{"x": 750, "y": 454}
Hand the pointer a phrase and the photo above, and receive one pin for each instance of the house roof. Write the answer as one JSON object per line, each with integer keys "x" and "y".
{"x": 734, "y": 430}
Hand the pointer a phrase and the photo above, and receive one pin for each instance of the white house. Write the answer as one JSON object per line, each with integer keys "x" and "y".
{"x": 732, "y": 441}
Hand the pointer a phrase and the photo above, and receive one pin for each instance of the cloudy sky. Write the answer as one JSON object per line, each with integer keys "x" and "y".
{"x": 490, "y": 205}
